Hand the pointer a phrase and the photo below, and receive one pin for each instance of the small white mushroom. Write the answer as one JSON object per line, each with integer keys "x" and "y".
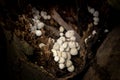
{"x": 106, "y": 30}
{"x": 38, "y": 32}
{"x": 73, "y": 51}
{"x": 71, "y": 68}
{"x": 62, "y": 60}
{"x": 85, "y": 40}
{"x": 72, "y": 44}
{"x": 68, "y": 56}
{"x": 40, "y": 25}
{"x": 61, "y": 66}
{"x": 96, "y": 14}
{"x": 56, "y": 58}
{"x": 95, "y": 23}
{"x": 92, "y": 10}
{"x": 61, "y": 29}
{"x": 64, "y": 45}
{"x": 67, "y": 49}
{"x": 73, "y": 38}
{"x": 43, "y": 13}
{"x": 61, "y": 34}
{"x": 48, "y": 17}
{"x": 69, "y": 33}
{"x": 68, "y": 63}
{"x": 77, "y": 46}
{"x": 96, "y": 19}
{"x": 41, "y": 45}
{"x": 59, "y": 53}
{"x": 62, "y": 38}
{"x": 94, "y": 32}
{"x": 64, "y": 55}
{"x": 56, "y": 46}
{"x": 54, "y": 52}
{"x": 60, "y": 42}
{"x": 61, "y": 48}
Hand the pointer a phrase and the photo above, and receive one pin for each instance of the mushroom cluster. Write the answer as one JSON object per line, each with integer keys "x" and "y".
{"x": 37, "y": 24}
{"x": 95, "y": 15}
{"x": 65, "y": 47}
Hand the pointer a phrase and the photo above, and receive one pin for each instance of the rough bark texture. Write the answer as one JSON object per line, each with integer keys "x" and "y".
{"x": 106, "y": 65}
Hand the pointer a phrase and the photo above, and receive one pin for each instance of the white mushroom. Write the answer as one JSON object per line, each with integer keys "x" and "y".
{"x": 73, "y": 38}
{"x": 61, "y": 66}
{"x": 56, "y": 46}
{"x": 61, "y": 34}
{"x": 96, "y": 19}
{"x": 96, "y": 14}
{"x": 61, "y": 48}
{"x": 60, "y": 42}
{"x": 67, "y": 49}
{"x": 94, "y": 32}
{"x": 38, "y": 32}
{"x": 64, "y": 45}
{"x": 68, "y": 63}
{"x": 71, "y": 68}
{"x": 40, "y": 25}
{"x": 62, "y": 60}
{"x": 54, "y": 52}
{"x": 95, "y": 23}
{"x": 48, "y": 17}
{"x": 61, "y": 29}
{"x": 41, "y": 45}
{"x": 106, "y": 30}
{"x": 72, "y": 44}
{"x": 59, "y": 53}
{"x": 56, "y": 58}
{"x": 68, "y": 56}
{"x": 62, "y": 38}
{"x": 64, "y": 55}
{"x": 73, "y": 51}
{"x": 92, "y": 10}
{"x": 69, "y": 33}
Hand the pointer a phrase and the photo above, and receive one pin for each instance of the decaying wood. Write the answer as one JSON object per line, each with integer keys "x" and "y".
{"x": 52, "y": 29}
{"x": 61, "y": 22}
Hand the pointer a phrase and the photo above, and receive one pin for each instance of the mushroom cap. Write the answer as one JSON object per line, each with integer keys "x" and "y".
{"x": 41, "y": 45}
{"x": 56, "y": 46}
{"x": 96, "y": 14}
{"x": 65, "y": 44}
{"x": 92, "y": 10}
{"x": 40, "y": 25}
{"x": 61, "y": 29}
{"x": 71, "y": 68}
{"x": 56, "y": 58}
{"x": 68, "y": 55}
{"x": 72, "y": 44}
{"x": 95, "y": 23}
{"x": 59, "y": 53}
{"x": 48, "y": 17}
{"x": 60, "y": 42}
{"x": 61, "y": 34}
{"x": 54, "y": 52}
{"x": 62, "y": 60}
{"x": 73, "y": 38}
{"x": 38, "y": 32}
{"x": 96, "y": 19}
{"x": 68, "y": 63}
{"x": 64, "y": 55}
{"x": 61, "y": 66}
{"x": 69, "y": 33}
{"x": 73, "y": 51}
